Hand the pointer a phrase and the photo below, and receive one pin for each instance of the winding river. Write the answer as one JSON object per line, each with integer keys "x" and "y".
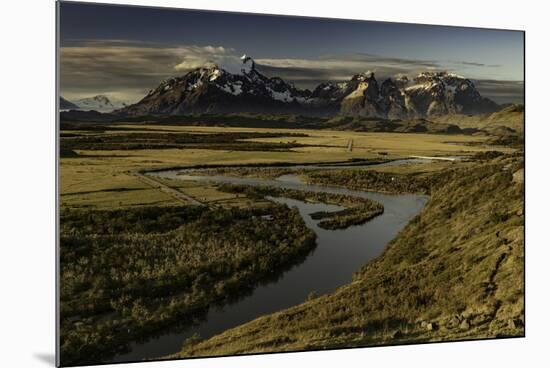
{"x": 339, "y": 253}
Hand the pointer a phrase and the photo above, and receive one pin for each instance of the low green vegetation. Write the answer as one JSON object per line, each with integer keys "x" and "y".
{"x": 371, "y": 180}
{"x": 361, "y": 124}
{"x": 135, "y": 261}
{"x": 357, "y": 211}
{"x": 356, "y": 215}
{"x": 126, "y": 274}
{"x": 127, "y": 139}
{"x": 245, "y": 171}
{"x": 454, "y": 124}
{"x": 454, "y": 272}
{"x": 273, "y": 170}
{"x": 101, "y": 178}
{"x": 509, "y": 120}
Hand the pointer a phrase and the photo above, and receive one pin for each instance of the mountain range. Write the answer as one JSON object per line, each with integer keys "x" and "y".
{"x": 100, "y": 103}
{"x": 215, "y": 90}
{"x": 66, "y": 104}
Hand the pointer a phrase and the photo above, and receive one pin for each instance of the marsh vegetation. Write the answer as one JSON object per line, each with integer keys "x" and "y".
{"x": 357, "y": 211}
{"x": 136, "y": 262}
{"x": 128, "y": 273}
{"x": 455, "y": 272}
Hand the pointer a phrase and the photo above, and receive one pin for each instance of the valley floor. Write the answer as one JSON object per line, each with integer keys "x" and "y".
{"x": 455, "y": 272}
{"x": 136, "y": 253}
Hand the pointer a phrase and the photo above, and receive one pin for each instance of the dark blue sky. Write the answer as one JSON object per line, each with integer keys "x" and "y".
{"x": 294, "y": 42}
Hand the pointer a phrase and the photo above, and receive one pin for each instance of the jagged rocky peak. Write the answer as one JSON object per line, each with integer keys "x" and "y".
{"x": 429, "y": 76}
{"x": 100, "y": 103}
{"x": 388, "y": 86}
{"x": 191, "y": 80}
{"x": 330, "y": 91}
{"x": 439, "y": 93}
{"x": 449, "y": 81}
{"x": 401, "y": 81}
{"x": 100, "y": 98}
{"x": 165, "y": 85}
{"x": 210, "y": 73}
{"x": 213, "y": 89}
{"x": 429, "y": 93}
{"x": 441, "y": 84}
{"x": 365, "y": 85}
{"x": 364, "y": 77}
{"x": 248, "y": 64}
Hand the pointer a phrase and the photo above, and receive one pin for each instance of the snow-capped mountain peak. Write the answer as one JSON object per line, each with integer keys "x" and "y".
{"x": 365, "y": 76}
{"x": 65, "y": 104}
{"x": 100, "y": 103}
{"x": 248, "y": 64}
{"x": 445, "y": 80}
{"x": 213, "y": 89}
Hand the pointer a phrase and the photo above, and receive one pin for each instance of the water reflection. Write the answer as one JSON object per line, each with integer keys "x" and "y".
{"x": 339, "y": 253}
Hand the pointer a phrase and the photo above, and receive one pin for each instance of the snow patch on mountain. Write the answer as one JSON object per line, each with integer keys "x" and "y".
{"x": 100, "y": 103}
{"x": 248, "y": 64}
{"x": 450, "y": 88}
{"x": 215, "y": 89}
{"x": 215, "y": 75}
{"x": 233, "y": 88}
{"x": 282, "y": 96}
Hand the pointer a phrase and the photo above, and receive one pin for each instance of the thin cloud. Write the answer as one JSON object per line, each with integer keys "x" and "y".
{"x": 501, "y": 91}
{"x": 309, "y": 77}
{"x": 472, "y": 63}
{"x": 99, "y": 66}
{"x": 129, "y": 69}
{"x": 305, "y": 72}
{"x": 189, "y": 63}
{"x": 355, "y": 61}
{"x": 378, "y": 59}
{"x": 308, "y": 73}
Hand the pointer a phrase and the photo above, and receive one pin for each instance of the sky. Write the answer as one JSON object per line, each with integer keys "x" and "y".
{"x": 124, "y": 51}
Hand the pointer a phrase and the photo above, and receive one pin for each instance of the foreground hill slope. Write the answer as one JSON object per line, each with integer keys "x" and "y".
{"x": 511, "y": 117}
{"x": 455, "y": 272}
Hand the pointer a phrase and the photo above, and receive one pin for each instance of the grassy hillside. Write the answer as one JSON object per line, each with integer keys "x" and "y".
{"x": 512, "y": 117}
{"x": 128, "y": 273}
{"x": 454, "y": 272}
{"x": 279, "y": 121}
{"x": 97, "y": 162}
{"x": 140, "y": 269}
{"x": 397, "y": 126}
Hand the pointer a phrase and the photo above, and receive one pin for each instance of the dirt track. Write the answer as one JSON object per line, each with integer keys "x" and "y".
{"x": 171, "y": 191}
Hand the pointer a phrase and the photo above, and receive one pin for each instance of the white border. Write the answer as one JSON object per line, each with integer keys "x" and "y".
{"x": 27, "y": 201}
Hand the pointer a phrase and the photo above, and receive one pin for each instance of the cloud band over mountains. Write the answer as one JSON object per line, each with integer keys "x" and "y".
{"x": 128, "y": 70}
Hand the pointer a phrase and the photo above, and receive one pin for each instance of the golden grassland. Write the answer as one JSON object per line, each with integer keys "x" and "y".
{"x": 512, "y": 117}
{"x": 398, "y": 144}
{"x": 454, "y": 272}
{"x": 209, "y": 194}
{"x": 103, "y": 179}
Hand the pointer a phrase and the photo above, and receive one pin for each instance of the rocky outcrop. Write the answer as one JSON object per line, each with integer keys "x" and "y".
{"x": 215, "y": 90}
